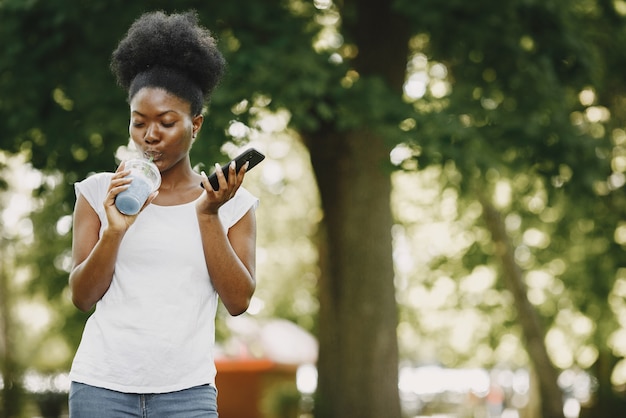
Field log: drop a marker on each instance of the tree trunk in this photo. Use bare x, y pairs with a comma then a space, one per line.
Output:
358, 358
358, 354
534, 334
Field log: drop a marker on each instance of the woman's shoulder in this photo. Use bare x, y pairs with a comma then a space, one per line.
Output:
235, 208
94, 184
98, 177
245, 198
95, 179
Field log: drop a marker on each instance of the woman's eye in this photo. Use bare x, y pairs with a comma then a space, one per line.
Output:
168, 124
137, 124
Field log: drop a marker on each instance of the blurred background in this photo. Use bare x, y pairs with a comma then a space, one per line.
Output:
442, 222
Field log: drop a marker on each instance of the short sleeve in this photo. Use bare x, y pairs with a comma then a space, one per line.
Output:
237, 207
94, 189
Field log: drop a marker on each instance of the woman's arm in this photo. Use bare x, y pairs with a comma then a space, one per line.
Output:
93, 257
231, 259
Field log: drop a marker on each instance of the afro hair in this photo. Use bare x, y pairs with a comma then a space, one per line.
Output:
172, 52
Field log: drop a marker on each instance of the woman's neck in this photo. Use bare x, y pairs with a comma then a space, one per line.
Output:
179, 184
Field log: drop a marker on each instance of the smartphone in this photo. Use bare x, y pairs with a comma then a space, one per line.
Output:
250, 155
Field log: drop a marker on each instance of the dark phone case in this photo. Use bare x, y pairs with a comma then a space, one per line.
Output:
251, 155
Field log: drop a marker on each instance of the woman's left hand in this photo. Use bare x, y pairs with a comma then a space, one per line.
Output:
211, 199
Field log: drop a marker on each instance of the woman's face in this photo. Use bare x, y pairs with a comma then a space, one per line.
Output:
161, 126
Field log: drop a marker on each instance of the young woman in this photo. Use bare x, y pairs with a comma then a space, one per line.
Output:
155, 277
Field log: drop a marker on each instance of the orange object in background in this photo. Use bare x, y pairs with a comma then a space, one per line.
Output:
246, 387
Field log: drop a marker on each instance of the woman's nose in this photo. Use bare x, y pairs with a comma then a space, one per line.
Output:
152, 133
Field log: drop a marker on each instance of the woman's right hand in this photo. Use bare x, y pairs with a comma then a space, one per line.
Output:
119, 182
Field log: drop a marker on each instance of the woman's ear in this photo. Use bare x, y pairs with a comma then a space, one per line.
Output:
196, 125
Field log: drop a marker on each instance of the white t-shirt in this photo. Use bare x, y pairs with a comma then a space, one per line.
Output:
153, 331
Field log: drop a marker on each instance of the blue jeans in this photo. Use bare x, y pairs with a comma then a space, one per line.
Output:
87, 401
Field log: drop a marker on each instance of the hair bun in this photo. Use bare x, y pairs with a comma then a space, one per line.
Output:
176, 42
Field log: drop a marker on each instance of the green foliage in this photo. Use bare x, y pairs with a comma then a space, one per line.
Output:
515, 48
